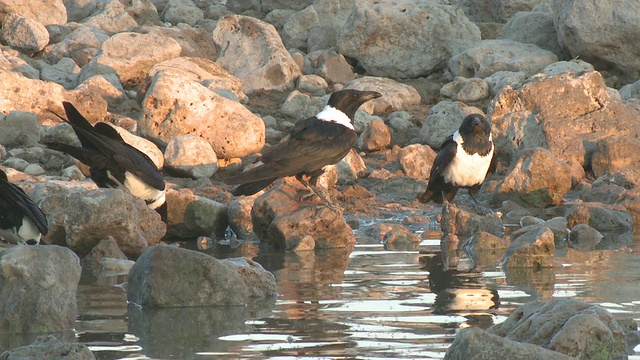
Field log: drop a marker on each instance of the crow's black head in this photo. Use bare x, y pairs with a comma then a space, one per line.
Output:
349, 100
476, 134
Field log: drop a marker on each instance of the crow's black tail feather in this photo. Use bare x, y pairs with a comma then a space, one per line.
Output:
252, 187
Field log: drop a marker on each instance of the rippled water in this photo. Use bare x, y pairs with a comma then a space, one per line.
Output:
365, 303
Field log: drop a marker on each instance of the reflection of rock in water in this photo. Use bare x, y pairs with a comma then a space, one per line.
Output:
181, 332
460, 292
537, 282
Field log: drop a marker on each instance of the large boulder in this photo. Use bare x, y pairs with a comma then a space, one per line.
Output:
81, 45
534, 28
252, 50
45, 12
38, 287
589, 30
615, 153
568, 114
532, 249
179, 101
48, 347
24, 34
395, 95
415, 47
190, 216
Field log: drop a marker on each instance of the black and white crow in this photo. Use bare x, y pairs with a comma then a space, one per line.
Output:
463, 161
21, 220
313, 144
112, 162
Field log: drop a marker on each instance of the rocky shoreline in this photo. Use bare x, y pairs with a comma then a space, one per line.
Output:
203, 86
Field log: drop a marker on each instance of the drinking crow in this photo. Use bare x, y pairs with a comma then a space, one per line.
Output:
21, 220
113, 163
314, 143
464, 160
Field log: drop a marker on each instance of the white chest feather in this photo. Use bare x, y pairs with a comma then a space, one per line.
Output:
28, 231
152, 196
464, 169
334, 115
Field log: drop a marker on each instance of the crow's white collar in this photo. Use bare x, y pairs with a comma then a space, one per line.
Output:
334, 115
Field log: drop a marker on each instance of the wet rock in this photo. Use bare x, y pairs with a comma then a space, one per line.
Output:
24, 34
231, 129
81, 45
580, 26
130, 56
483, 241
281, 221
562, 324
181, 11
584, 237
239, 214
535, 179
189, 215
80, 218
106, 248
534, 28
416, 160
533, 249
43, 11
168, 276
476, 344
269, 67
260, 282
395, 95
465, 90
499, 79
448, 32
557, 224
334, 68
112, 18
397, 236
615, 153
599, 216
464, 223
48, 347
36, 299
443, 120
522, 118
489, 56
19, 128
375, 137
191, 156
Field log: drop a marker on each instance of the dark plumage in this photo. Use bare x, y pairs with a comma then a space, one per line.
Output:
21, 220
313, 144
113, 163
464, 160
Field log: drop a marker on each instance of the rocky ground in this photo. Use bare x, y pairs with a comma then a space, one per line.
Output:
203, 86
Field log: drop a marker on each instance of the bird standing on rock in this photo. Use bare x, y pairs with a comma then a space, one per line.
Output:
113, 163
314, 144
464, 160
21, 220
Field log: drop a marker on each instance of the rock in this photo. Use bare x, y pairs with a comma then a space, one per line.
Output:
464, 224
489, 56
147, 147
483, 241
112, 18
295, 30
399, 237
534, 28
239, 215
279, 220
194, 41
43, 11
443, 120
298, 105
268, 67
269, 5
190, 216
260, 282
615, 153
606, 194
586, 30
34, 170
499, 79
81, 45
522, 117
474, 343
48, 347
557, 224
375, 137
562, 324
191, 156
598, 216
36, 299
535, 179
312, 84
466, 90
19, 128
231, 129
535, 248
78, 10
10, 61
168, 276
630, 91
334, 68
416, 161
65, 72
447, 32
350, 168
80, 218
395, 95
130, 56
584, 237
106, 248
181, 11
574, 66
24, 34
631, 202
625, 178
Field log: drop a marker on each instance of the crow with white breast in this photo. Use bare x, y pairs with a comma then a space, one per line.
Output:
21, 220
